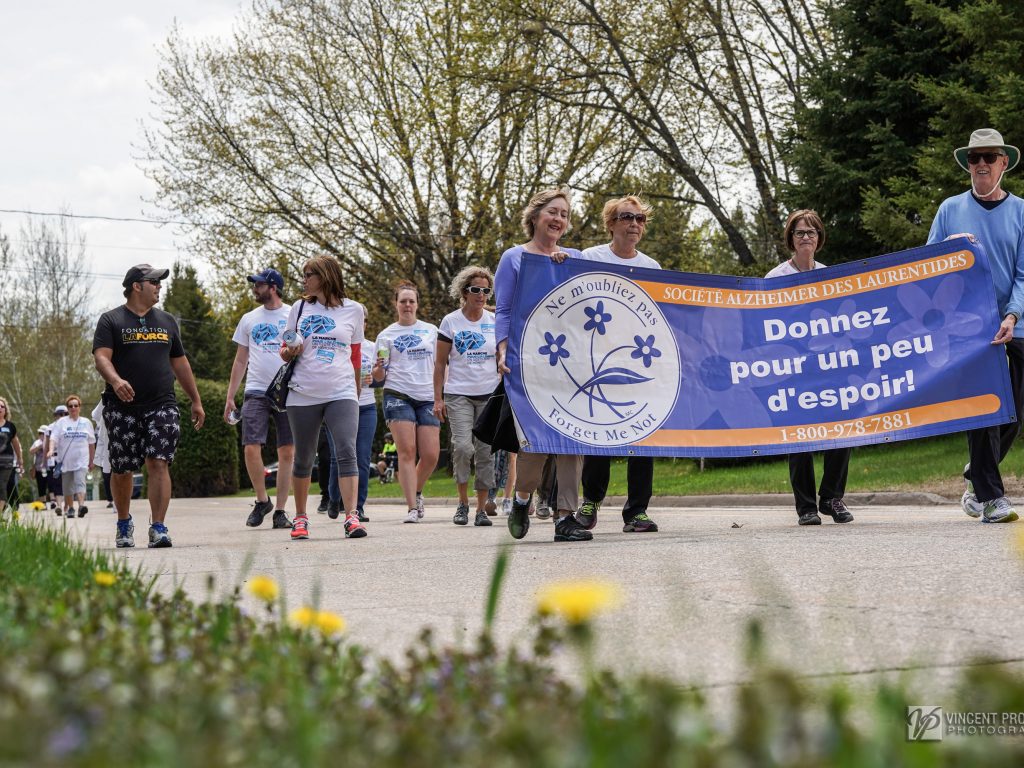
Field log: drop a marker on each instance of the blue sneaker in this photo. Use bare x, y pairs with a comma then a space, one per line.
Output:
125, 534
158, 536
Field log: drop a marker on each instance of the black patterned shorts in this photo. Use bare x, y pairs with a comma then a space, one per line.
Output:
136, 435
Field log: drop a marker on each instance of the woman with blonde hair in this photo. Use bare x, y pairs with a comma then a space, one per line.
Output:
405, 368
544, 219
464, 378
325, 384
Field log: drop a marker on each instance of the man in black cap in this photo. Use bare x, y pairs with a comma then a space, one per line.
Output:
138, 352
258, 337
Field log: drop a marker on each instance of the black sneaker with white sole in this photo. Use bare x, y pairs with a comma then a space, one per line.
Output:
570, 529
259, 510
519, 518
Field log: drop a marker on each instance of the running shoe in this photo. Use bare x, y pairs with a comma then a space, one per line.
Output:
490, 506
461, 514
281, 519
70, 512
83, 510
323, 505
570, 529
419, 506
413, 516
836, 509
481, 518
353, 528
506, 507
999, 511
125, 534
260, 509
587, 514
519, 518
158, 536
300, 527
809, 518
543, 512
362, 516
970, 505
640, 523
334, 509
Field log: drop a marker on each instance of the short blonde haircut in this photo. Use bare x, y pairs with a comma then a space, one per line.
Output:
611, 209
457, 290
537, 204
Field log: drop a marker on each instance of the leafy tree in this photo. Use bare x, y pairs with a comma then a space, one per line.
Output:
206, 339
46, 327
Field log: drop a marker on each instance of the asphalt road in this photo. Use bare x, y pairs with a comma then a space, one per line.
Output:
913, 588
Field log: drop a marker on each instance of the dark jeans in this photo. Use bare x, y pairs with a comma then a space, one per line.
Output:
106, 486
833, 479
989, 446
639, 482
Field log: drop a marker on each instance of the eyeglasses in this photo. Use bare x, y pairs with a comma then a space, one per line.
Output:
973, 158
805, 234
308, 275
478, 289
639, 218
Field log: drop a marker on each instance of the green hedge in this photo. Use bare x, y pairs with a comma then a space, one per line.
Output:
206, 463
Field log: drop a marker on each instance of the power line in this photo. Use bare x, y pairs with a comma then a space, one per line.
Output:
95, 216
95, 245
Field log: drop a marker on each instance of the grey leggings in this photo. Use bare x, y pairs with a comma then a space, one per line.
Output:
342, 419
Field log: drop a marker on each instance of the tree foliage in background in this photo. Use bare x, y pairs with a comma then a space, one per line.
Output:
707, 88
393, 134
910, 80
204, 334
46, 327
206, 461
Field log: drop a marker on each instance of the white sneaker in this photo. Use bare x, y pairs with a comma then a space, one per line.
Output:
413, 516
999, 511
419, 505
970, 504
506, 507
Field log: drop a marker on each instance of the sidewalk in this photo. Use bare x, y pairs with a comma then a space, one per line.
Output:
904, 587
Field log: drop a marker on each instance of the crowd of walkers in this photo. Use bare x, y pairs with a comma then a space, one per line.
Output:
430, 374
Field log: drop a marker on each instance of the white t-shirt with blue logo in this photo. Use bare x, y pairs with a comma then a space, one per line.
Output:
410, 368
260, 331
324, 370
471, 366
367, 352
71, 439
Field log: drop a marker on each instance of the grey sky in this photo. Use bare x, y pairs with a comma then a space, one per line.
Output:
74, 87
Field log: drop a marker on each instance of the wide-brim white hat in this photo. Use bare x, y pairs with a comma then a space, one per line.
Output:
985, 138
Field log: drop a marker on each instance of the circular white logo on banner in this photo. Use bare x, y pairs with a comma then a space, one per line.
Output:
599, 362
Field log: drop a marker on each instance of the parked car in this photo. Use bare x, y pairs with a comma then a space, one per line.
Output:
270, 475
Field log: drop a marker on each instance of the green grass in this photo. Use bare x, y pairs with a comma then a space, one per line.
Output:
932, 464
97, 675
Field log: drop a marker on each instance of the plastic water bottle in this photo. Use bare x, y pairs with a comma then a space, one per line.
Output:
234, 417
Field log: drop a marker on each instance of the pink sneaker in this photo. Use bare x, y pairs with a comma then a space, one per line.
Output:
353, 528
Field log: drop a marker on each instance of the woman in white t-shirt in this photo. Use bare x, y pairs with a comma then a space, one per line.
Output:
325, 384
465, 352
804, 234
74, 443
405, 368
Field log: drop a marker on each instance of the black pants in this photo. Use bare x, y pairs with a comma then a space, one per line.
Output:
106, 486
833, 479
323, 465
989, 446
639, 482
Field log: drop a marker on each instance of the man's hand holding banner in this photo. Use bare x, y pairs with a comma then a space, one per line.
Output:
628, 361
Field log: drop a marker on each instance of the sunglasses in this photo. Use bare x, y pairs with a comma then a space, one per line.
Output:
973, 158
805, 234
153, 282
75, 405
308, 275
639, 218
478, 289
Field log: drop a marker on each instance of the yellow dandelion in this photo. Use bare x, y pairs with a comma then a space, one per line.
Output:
264, 588
578, 601
104, 578
38, 506
15, 515
304, 617
329, 623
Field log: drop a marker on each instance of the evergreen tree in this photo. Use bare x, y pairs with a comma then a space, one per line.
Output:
207, 342
867, 117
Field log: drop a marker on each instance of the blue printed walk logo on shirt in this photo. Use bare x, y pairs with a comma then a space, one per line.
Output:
466, 341
408, 341
264, 332
316, 324
604, 369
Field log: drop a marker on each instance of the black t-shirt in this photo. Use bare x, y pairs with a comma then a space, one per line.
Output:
142, 351
7, 434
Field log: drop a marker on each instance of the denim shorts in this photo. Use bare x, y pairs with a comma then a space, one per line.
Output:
420, 412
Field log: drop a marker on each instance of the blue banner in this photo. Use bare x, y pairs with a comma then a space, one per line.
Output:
616, 360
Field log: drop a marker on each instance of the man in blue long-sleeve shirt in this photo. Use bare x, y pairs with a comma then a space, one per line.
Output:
995, 218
